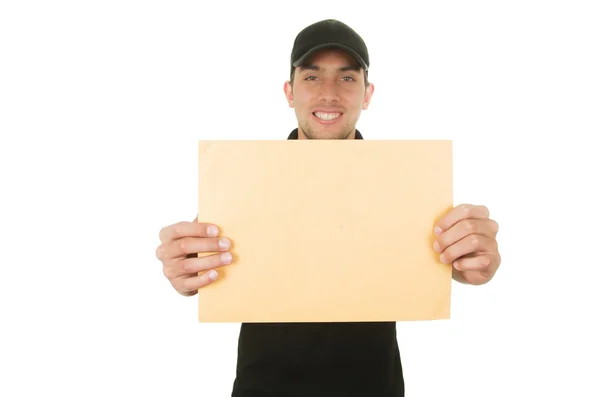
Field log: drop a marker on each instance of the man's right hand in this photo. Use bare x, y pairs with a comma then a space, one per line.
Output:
180, 245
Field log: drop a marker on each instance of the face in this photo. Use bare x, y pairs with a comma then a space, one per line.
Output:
328, 95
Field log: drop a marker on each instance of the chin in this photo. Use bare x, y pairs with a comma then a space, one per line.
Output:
318, 133
325, 136
338, 135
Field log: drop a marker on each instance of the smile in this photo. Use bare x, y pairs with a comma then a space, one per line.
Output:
326, 116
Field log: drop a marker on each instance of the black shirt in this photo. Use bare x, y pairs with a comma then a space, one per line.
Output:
318, 359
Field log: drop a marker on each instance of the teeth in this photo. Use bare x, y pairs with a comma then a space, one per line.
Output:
327, 116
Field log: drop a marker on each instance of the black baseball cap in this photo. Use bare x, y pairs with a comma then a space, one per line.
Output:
329, 33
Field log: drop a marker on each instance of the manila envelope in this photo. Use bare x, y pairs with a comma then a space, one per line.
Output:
326, 230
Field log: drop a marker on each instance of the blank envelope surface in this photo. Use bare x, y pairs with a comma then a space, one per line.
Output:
326, 230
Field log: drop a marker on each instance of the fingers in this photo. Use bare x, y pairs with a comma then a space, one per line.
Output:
189, 246
460, 212
462, 229
193, 266
183, 273
186, 246
190, 285
479, 262
473, 243
180, 245
187, 229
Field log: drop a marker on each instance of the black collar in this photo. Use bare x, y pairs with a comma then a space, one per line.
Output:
294, 134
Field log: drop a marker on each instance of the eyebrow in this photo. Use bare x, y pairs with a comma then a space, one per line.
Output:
342, 69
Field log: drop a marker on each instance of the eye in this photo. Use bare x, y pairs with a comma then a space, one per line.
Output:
348, 78
310, 78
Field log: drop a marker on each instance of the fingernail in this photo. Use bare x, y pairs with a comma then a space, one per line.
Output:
226, 258
213, 231
443, 258
224, 243
212, 275
437, 230
436, 246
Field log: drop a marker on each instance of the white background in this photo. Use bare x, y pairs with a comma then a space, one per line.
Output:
101, 107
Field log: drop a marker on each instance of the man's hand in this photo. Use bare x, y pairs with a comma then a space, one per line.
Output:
178, 252
466, 237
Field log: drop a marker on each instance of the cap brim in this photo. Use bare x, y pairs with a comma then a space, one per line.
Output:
300, 61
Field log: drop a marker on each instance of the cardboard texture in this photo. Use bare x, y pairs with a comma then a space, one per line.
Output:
326, 230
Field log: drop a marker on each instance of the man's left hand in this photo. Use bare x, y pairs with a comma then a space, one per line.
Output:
466, 237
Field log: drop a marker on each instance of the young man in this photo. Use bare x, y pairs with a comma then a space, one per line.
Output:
328, 89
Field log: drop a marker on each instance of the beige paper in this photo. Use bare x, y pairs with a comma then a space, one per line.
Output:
326, 230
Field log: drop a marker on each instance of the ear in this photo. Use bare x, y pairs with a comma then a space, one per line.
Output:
368, 94
289, 95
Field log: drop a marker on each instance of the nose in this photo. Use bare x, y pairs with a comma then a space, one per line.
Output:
329, 91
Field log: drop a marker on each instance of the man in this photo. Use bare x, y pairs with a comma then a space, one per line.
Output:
328, 88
